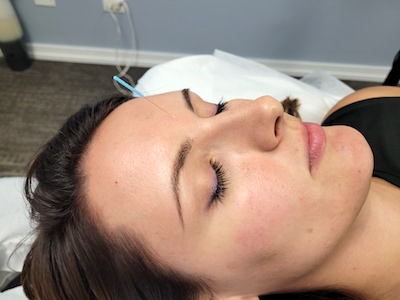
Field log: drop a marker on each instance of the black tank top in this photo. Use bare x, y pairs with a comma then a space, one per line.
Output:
378, 119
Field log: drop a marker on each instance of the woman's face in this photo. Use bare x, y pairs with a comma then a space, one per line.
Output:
248, 197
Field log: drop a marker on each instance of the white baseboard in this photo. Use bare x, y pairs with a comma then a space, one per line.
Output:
99, 56
106, 56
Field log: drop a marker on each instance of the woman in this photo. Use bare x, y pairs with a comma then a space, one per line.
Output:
204, 201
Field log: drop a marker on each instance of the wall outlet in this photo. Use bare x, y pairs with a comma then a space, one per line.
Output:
116, 6
51, 3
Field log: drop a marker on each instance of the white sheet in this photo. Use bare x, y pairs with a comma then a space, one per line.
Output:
13, 294
14, 226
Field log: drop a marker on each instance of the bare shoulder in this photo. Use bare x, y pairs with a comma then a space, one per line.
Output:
367, 93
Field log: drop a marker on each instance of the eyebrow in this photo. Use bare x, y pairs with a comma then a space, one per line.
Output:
186, 96
179, 161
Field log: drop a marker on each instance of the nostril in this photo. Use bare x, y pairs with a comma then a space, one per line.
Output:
276, 125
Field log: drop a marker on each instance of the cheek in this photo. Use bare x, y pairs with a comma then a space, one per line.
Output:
266, 209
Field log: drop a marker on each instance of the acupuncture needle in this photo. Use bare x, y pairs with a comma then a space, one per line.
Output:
135, 91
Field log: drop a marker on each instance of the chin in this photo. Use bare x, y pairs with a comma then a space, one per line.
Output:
354, 156
350, 145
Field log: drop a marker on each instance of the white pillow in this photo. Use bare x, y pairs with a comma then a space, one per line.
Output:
16, 293
227, 76
14, 227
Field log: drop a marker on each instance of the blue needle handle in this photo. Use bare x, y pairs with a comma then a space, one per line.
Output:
129, 87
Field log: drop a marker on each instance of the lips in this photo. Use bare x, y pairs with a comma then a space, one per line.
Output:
316, 144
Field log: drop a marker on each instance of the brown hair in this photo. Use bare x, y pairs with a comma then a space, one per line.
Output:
73, 255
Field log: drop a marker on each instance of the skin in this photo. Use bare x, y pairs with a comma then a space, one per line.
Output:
278, 224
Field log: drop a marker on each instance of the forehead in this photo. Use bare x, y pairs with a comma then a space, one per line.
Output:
128, 165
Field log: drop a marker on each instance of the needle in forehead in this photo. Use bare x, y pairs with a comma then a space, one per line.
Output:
135, 91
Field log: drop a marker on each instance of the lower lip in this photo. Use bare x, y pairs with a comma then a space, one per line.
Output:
316, 144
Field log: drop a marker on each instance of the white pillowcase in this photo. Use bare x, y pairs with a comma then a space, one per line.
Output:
227, 76
14, 227
16, 293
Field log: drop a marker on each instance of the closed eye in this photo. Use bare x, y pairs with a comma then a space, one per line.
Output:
220, 184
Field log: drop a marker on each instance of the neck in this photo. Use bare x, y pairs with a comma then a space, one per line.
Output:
368, 258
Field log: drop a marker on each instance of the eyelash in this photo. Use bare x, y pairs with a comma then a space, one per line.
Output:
220, 106
218, 193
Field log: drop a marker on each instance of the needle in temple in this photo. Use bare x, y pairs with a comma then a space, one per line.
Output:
159, 107
135, 91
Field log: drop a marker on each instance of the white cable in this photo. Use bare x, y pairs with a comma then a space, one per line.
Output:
123, 72
133, 37
118, 28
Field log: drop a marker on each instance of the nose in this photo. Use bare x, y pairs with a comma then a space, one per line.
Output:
250, 123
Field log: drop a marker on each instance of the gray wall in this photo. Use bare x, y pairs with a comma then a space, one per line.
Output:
362, 32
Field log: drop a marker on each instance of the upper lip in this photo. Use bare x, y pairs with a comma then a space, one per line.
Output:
304, 132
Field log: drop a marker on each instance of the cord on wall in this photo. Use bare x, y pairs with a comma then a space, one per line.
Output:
112, 9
